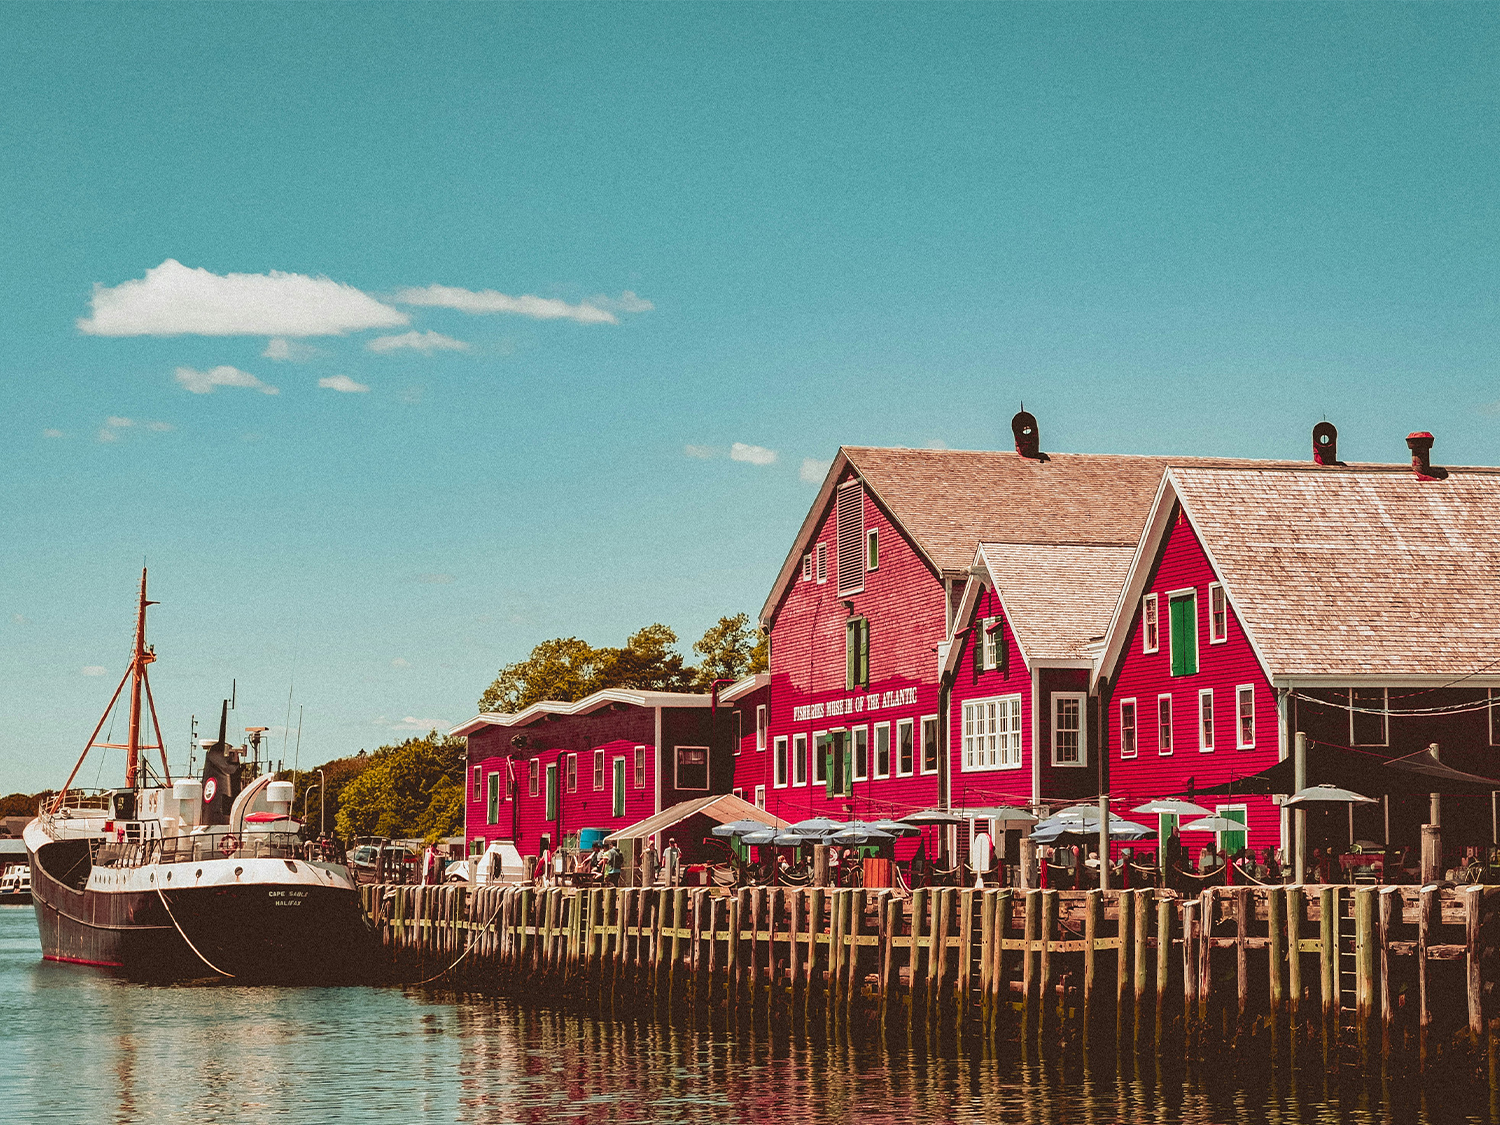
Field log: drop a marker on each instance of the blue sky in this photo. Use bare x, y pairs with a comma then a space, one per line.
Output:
1168, 228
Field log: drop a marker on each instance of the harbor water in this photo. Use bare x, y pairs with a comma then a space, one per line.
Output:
84, 1046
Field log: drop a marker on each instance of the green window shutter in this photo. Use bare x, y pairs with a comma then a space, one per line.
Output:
619, 809
551, 792
976, 643
825, 751
851, 653
847, 773
864, 652
1184, 625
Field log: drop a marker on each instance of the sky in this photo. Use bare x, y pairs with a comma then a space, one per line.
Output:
395, 339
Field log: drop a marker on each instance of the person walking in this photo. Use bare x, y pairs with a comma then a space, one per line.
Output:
672, 862
613, 861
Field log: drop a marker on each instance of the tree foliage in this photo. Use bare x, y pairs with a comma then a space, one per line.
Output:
730, 650
414, 788
567, 668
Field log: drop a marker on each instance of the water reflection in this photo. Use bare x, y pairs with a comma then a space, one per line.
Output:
87, 1047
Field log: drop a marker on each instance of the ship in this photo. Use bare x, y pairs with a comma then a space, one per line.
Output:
209, 876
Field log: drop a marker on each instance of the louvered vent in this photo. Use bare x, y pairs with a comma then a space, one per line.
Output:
851, 532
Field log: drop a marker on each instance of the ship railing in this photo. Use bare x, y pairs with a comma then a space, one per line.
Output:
198, 847
92, 800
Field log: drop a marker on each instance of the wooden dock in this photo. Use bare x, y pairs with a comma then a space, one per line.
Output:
1376, 972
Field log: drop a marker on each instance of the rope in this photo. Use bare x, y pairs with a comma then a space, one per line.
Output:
189, 940
472, 942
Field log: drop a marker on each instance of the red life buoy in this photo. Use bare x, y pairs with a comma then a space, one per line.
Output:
229, 845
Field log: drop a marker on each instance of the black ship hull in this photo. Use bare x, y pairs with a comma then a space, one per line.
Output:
256, 932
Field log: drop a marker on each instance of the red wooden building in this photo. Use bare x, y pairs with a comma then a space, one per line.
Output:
750, 699
538, 777
1358, 604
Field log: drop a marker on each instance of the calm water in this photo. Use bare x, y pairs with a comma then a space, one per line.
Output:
76, 1045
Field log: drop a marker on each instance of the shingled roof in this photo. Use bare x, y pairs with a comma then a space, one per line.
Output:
1347, 572
1058, 599
948, 501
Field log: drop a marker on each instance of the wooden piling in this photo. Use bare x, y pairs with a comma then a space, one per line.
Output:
1473, 980
1028, 971
1389, 909
1294, 911
1276, 951
1093, 914
1050, 1002
1164, 913
1243, 912
1328, 952
1366, 988
1427, 906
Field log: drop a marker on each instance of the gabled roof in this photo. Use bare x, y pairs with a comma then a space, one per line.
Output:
1344, 572
948, 501
1057, 598
581, 707
723, 809
747, 686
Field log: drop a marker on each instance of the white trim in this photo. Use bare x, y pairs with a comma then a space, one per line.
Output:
986, 728
744, 686
618, 766
916, 750
973, 588
781, 762
1036, 757
854, 733
872, 540
922, 770
806, 566
1239, 742
1220, 810
583, 706
1213, 718
1224, 637
1171, 726
762, 727
990, 638
875, 772
806, 765
820, 563
855, 482
1385, 719
1082, 699
639, 767
707, 785
760, 796
739, 732
1177, 596
570, 773
1150, 629
817, 759
600, 772
1135, 728
1379, 679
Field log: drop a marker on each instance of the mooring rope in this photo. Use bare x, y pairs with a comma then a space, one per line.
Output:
473, 941
189, 940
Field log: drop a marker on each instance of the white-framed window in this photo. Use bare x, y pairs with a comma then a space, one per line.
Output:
739, 791
799, 759
1244, 707
572, 773
739, 731
872, 549
991, 733
1129, 746
989, 633
1070, 745
492, 806
822, 563
598, 770
760, 796
1206, 721
819, 764
856, 653
1164, 725
778, 764
1182, 635
930, 747
861, 753
906, 748
1218, 614
617, 796
807, 566
762, 721
534, 781
1368, 721
478, 783
882, 749
691, 770
1150, 634
551, 799
640, 767
850, 518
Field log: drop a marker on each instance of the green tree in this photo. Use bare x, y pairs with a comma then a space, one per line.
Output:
567, 668
412, 788
730, 650
648, 662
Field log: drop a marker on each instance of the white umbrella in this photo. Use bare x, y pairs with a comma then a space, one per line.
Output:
1214, 824
933, 816
1330, 794
1171, 806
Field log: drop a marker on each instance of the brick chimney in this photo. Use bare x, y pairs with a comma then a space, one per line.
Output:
1325, 437
1420, 444
1028, 437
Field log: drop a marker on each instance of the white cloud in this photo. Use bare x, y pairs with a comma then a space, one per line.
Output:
626, 302
175, 300
424, 342
281, 349
813, 471
342, 383
93, 670
20, 619
490, 301
751, 454
110, 431
936, 443
53, 433
400, 662
702, 452
203, 382
420, 726
160, 427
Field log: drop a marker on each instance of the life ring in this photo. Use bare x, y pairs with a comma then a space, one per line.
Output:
229, 845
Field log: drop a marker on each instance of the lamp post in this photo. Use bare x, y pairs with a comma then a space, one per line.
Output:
305, 793
323, 804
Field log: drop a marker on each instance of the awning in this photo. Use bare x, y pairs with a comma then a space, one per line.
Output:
1415, 775
721, 810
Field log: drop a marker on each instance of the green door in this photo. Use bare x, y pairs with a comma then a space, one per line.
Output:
1231, 842
552, 792
1184, 623
619, 806
1166, 824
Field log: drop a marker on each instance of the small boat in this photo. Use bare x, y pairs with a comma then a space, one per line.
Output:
15, 886
195, 877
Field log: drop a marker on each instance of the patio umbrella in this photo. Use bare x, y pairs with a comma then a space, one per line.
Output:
1171, 806
897, 828
862, 834
774, 838
1330, 794
1000, 812
817, 826
1047, 831
1214, 824
739, 827
933, 816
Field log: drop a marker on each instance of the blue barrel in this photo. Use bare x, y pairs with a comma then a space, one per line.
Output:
588, 837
